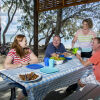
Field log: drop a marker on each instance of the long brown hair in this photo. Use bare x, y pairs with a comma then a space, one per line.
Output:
19, 50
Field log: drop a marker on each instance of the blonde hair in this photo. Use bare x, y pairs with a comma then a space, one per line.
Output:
89, 22
19, 50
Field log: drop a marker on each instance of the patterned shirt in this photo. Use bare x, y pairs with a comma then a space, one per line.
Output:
17, 59
85, 41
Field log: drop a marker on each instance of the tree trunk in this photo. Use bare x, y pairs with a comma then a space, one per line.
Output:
35, 28
58, 22
48, 38
4, 32
10, 18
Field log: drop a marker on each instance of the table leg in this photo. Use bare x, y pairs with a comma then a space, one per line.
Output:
13, 93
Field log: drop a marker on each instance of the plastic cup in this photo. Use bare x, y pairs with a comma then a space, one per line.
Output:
46, 61
51, 62
79, 52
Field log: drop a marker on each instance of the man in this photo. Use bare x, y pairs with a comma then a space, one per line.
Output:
94, 77
55, 48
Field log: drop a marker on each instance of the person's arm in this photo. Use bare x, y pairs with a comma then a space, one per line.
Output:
65, 54
8, 63
54, 55
85, 63
33, 59
74, 40
50, 51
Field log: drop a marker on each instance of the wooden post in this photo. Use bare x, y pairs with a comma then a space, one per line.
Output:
36, 27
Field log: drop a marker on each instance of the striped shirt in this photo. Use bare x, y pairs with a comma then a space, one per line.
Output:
85, 41
17, 59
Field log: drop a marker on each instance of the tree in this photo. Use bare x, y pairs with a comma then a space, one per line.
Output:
58, 22
11, 13
61, 21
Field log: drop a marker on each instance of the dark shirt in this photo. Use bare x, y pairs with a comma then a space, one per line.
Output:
52, 49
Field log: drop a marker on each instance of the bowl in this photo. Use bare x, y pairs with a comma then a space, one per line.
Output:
68, 57
58, 62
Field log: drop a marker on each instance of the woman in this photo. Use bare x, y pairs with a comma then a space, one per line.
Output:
84, 37
20, 55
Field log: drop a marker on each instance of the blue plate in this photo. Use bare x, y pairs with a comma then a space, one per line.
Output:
68, 58
49, 70
35, 66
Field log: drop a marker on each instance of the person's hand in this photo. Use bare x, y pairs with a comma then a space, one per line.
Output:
19, 65
78, 56
25, 63
65, 54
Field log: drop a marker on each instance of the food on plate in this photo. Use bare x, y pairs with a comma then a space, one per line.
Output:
57, 58
29, 76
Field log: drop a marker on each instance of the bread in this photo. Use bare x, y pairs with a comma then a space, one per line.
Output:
27, 77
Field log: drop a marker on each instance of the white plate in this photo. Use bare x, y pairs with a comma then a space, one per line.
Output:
58, 62
39, 77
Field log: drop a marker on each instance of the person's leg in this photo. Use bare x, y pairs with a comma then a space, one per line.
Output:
89, 79
73, 87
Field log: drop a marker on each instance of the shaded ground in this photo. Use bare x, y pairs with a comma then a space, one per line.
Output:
5, 95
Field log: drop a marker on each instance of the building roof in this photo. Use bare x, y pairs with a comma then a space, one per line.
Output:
45, 5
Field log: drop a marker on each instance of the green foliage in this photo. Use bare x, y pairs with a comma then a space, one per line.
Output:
71, 18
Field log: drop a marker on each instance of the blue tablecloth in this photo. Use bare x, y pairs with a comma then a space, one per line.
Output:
68, 74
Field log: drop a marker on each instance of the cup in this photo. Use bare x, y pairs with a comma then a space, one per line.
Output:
79, 52
51, 62
46, 61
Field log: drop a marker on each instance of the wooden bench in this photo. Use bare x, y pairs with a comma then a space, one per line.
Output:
90, 92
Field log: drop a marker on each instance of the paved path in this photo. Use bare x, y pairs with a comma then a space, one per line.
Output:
5, 95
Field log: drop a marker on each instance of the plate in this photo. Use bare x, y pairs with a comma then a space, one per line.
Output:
68, 58
37, 79
35, 66
59, 62
49, 70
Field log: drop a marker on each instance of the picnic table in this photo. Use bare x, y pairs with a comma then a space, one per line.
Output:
69, 73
